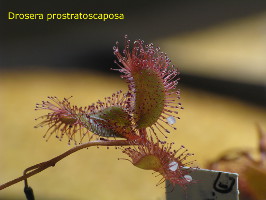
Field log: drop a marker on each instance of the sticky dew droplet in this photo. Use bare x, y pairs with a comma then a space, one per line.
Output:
171, 120
173, 166
188, 178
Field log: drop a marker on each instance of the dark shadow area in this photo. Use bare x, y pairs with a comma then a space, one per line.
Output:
57, 43
255, 94
85, 45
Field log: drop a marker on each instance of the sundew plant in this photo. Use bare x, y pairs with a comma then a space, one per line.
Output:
136, 121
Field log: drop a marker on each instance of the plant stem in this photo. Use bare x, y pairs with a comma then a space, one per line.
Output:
35, 169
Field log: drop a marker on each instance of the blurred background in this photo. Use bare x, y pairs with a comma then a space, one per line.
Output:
219, 47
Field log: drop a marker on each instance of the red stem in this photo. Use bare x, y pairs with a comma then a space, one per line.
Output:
35, 169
